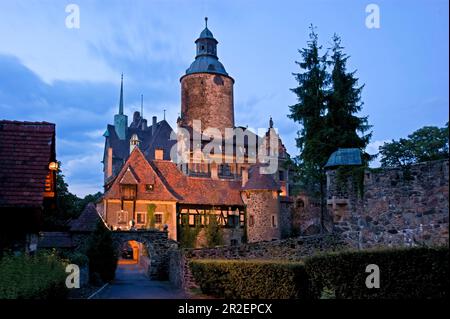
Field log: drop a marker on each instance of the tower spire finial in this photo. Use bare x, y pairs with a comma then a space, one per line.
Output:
142, 105
206, 22
121, 96
271, 122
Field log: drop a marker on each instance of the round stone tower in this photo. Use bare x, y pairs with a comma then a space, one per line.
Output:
206, 88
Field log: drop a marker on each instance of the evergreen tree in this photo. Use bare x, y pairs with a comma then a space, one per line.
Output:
343, 103
309, 112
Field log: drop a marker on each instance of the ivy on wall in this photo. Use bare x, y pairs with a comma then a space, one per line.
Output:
150, 216
352, 176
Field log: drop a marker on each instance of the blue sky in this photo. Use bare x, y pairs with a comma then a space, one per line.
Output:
71, 76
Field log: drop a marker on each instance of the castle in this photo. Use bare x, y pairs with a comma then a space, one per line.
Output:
148, 186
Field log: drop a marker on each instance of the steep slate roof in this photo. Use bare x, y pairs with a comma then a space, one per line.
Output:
258, 181
87, 221
145, 174
195, 190
26, 148
149, 140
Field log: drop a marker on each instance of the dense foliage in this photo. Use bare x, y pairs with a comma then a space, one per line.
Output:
68, 205
251, 279
102, 254
426, 144
32, 277
405, 273
408, 273
213, 232
328, 100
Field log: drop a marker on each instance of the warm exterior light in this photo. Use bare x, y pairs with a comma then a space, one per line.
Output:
53, 166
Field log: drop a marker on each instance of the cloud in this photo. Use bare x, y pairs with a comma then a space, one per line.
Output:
373, 149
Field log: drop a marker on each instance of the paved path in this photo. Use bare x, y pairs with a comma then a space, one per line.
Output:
131, 283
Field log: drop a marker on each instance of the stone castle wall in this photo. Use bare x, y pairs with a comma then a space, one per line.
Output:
399, 207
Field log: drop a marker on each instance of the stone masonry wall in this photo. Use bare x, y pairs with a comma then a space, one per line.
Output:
262, 206
399, 207
209, 98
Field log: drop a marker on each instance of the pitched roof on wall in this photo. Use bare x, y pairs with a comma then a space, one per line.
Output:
87, 221
26, 148
345, 157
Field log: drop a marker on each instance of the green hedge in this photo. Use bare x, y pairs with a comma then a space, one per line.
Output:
32, 277
251, 279
408, 273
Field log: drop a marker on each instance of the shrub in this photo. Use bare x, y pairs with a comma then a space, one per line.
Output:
32, 277
213, 232
251, 279
406, 273
102, 254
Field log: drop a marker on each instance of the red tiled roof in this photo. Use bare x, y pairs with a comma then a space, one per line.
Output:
259, 181
146, 175
200, 191
26, 148
87, 221
129, 178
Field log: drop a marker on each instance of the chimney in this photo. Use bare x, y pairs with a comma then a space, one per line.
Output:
154, 119
159, 154
144, 124
244, 176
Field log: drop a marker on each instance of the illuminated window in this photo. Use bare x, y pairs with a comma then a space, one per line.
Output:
140, 218
122, 217
158, 219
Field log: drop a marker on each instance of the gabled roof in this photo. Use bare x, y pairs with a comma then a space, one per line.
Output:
26, 149
87, 221
145, 174
129, 178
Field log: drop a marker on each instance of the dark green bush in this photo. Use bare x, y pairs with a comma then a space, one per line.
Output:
251, 279
32, 277
102, 254
407, 273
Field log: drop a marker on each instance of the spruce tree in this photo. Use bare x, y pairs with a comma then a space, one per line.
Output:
343, 104
310, 113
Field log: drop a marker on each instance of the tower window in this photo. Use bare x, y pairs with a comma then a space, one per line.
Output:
203, 47
274, 221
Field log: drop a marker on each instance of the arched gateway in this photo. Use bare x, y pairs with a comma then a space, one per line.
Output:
158, 246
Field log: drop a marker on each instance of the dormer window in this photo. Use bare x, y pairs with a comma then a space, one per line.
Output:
128, 191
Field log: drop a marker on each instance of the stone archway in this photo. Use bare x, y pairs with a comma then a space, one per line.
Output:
158, 246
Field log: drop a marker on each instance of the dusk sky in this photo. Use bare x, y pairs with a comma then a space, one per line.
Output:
71, 77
